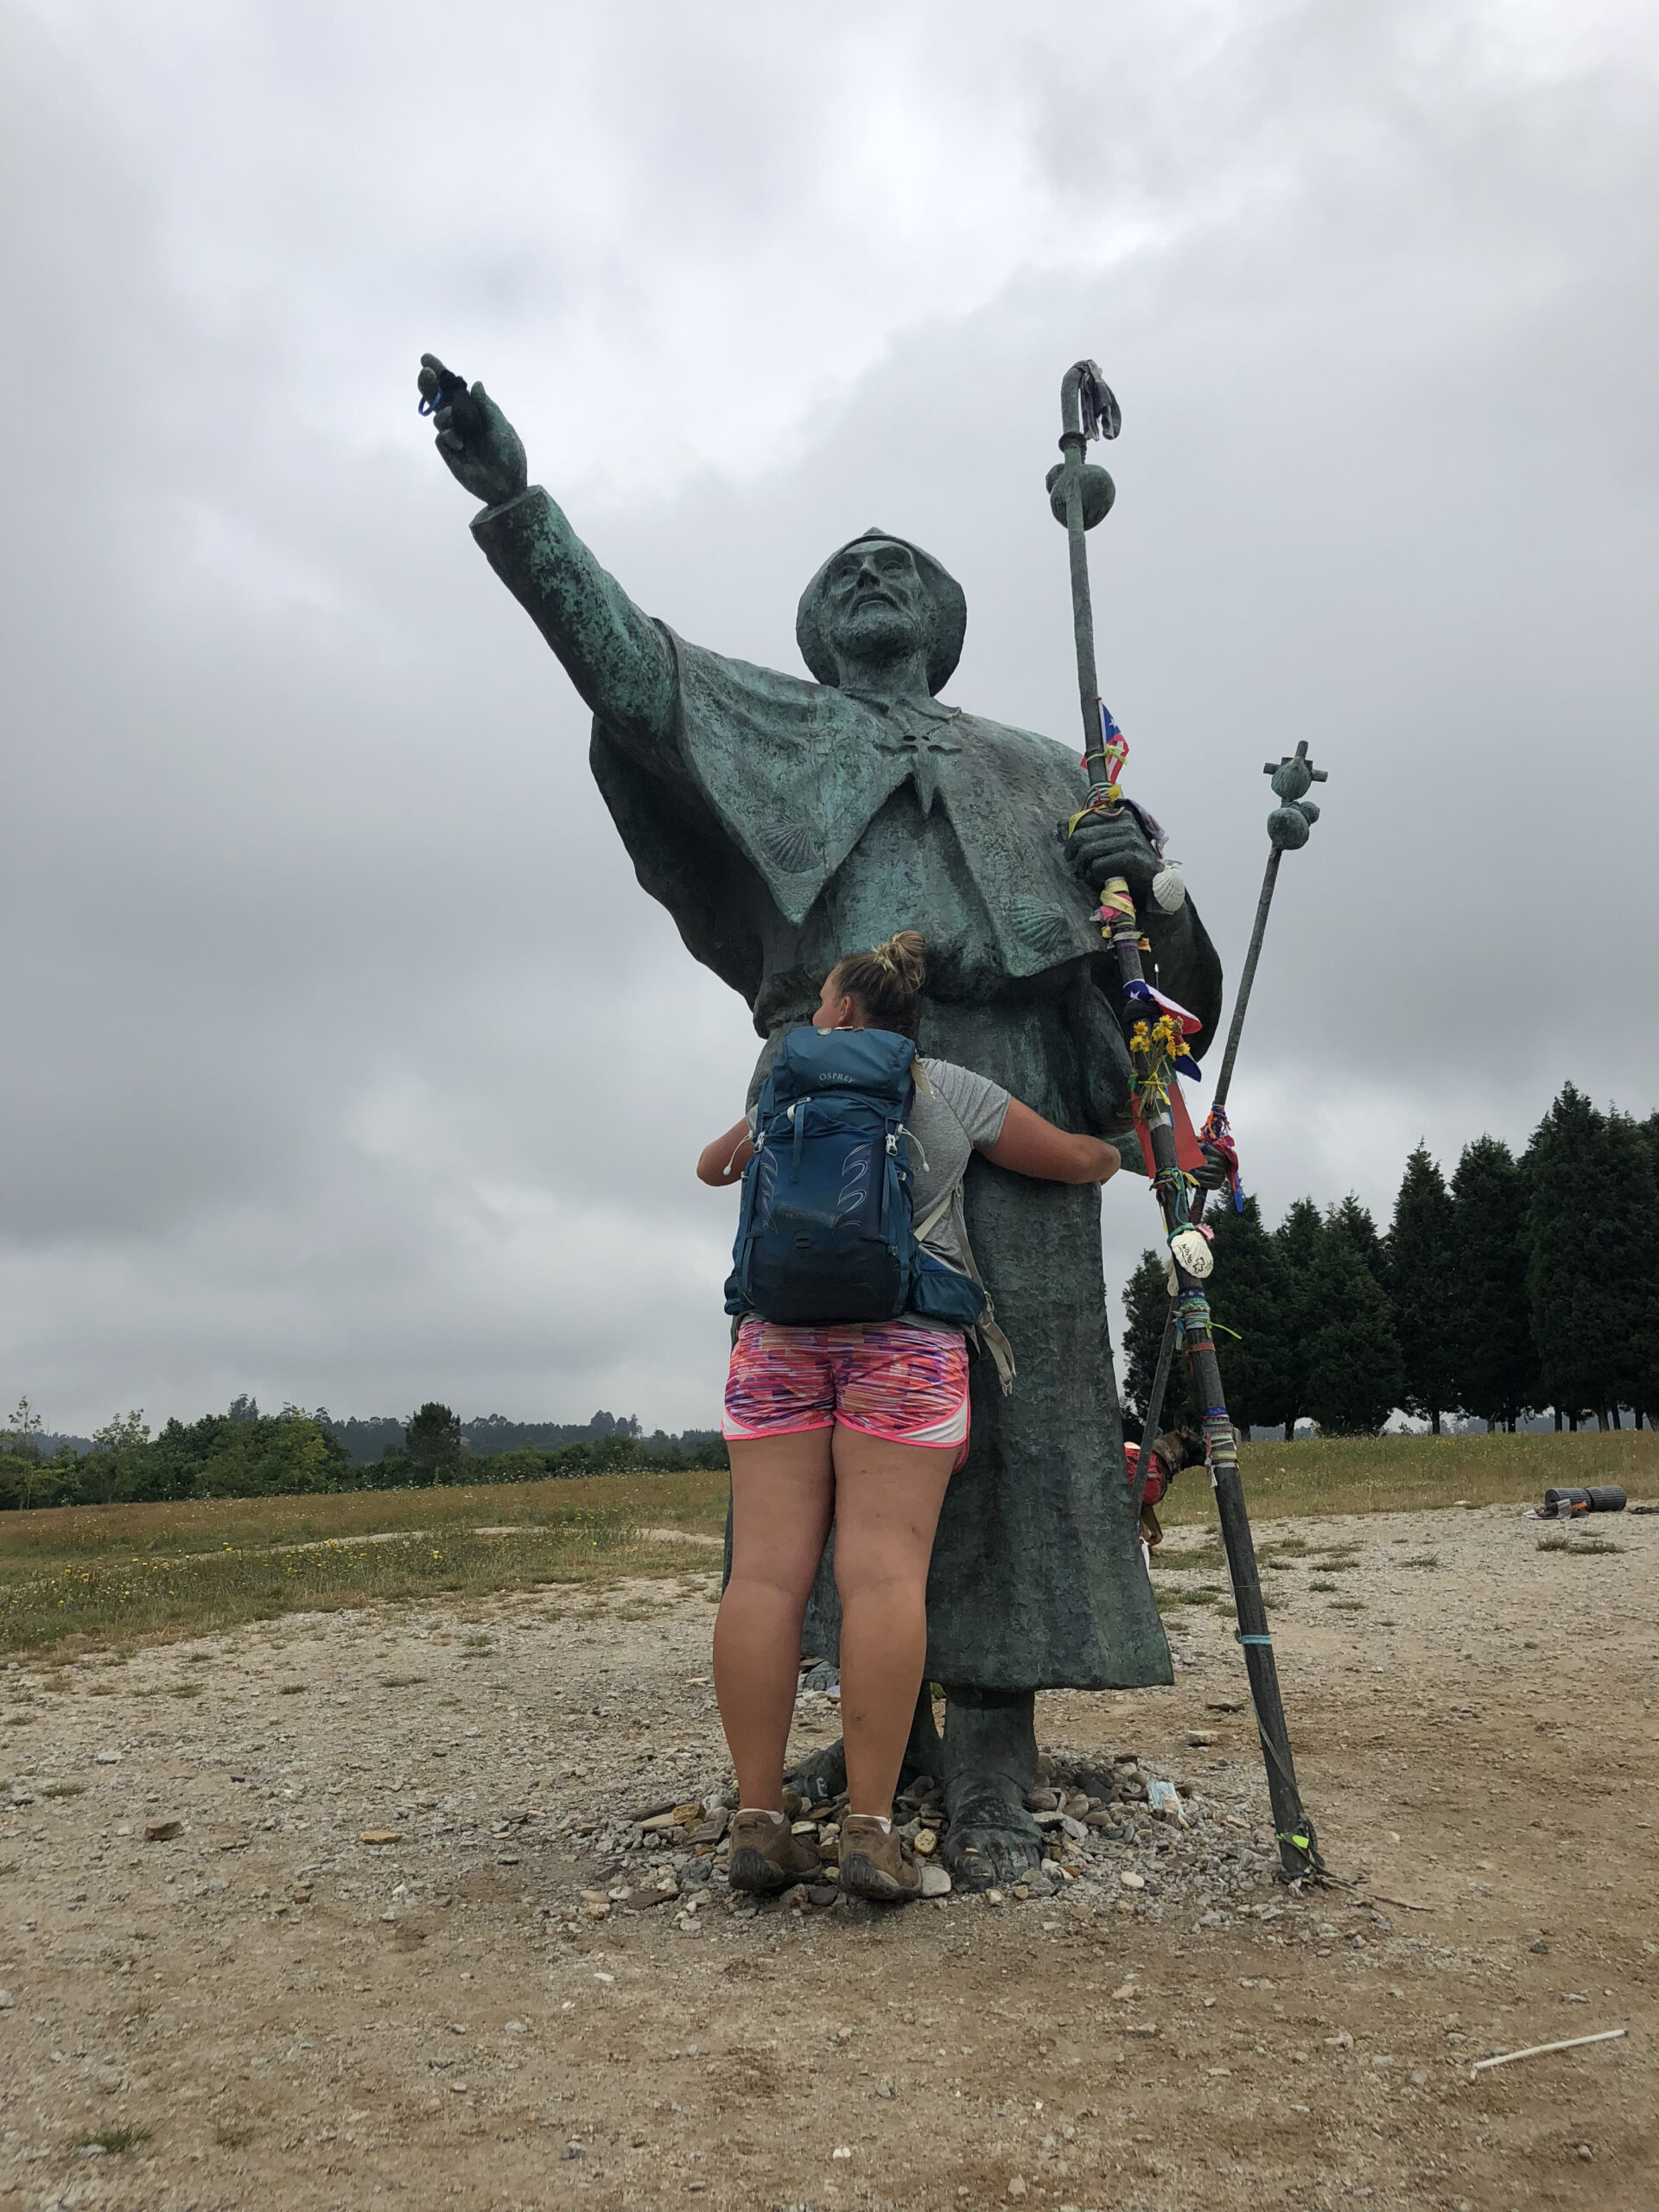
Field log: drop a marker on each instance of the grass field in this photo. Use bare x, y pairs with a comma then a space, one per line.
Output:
696, 1500
1404, 1474
84, 1575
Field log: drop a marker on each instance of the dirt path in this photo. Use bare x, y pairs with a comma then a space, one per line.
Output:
301, 2019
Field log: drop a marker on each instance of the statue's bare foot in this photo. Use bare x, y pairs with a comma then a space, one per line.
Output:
990, 1763
824, 1776
821, 1777
991, 1841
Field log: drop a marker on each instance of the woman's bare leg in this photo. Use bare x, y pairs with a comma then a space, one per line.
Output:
782, 1491
888, 1501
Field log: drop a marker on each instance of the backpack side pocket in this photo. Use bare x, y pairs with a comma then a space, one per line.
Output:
939, 1292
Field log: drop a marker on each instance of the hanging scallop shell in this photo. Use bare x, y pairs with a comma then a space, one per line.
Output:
1190, 1249
1168, 890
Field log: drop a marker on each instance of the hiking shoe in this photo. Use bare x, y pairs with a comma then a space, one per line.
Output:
872, 1861
766, 1857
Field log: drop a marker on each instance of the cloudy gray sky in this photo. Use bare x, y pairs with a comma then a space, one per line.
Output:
344, 1060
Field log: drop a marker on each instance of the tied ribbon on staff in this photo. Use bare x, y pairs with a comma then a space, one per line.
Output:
1113, 751
1157, 1040
1106, 797
1157, 1048
1218, 1135
1157, 1043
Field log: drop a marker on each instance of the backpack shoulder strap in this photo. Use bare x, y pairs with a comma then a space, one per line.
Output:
997, 1344
922, 1229
986, 1327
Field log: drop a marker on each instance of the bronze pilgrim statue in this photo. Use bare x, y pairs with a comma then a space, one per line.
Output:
785, 821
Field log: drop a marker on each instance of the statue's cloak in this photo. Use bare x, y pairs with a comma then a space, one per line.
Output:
787, 823
787, 778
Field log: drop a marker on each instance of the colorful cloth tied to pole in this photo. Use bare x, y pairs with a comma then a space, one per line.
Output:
1217, 1134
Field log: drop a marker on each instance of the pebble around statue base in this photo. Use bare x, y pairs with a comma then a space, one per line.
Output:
784, 822
987, 1759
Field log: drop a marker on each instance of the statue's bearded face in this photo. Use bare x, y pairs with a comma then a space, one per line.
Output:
875, 605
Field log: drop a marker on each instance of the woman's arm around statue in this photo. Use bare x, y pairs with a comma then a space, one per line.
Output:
1028, 1145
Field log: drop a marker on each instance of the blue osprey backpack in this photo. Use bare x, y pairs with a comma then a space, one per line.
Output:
824, 1234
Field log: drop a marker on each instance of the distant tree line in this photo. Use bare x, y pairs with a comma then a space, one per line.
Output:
245, 1454
435, 1448
1523, 1285
489, 1435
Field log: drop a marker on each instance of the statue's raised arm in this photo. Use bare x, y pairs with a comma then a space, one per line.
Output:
616, 656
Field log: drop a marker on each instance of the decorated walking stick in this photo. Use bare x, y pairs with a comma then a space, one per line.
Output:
1288, 829
1081, 496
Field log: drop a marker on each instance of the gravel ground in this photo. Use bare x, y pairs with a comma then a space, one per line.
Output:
350, 1907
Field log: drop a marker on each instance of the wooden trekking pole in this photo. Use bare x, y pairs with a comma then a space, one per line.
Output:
1081, 496
1288, 827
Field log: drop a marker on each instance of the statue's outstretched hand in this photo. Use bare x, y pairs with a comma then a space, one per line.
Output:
480, 448
1105, 845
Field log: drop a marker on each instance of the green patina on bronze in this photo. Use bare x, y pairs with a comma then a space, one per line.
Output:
783, 822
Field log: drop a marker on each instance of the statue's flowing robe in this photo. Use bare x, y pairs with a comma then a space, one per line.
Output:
784, 823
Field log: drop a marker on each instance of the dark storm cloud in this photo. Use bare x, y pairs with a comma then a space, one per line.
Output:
346, 1061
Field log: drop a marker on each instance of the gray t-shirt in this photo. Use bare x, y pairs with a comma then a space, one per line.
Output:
964, 1114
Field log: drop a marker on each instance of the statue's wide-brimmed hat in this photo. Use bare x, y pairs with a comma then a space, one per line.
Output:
945, 598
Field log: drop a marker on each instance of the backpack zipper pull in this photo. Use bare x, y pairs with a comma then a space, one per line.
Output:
902, 1131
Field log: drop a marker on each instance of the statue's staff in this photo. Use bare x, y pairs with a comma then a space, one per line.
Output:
1081, 495
1288, 829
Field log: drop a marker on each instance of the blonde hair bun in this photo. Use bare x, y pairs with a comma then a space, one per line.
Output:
905, 954
887, 981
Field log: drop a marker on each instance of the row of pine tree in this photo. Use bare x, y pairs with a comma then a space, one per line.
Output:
1524, 1285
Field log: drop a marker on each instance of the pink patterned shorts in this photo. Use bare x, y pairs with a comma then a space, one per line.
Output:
883, 1378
